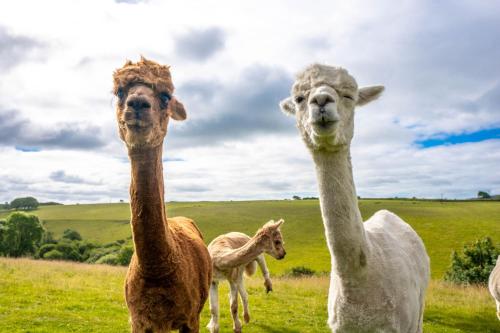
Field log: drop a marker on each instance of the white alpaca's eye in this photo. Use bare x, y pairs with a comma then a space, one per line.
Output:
348, 97
299, 99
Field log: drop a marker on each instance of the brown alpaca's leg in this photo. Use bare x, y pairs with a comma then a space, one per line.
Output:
233, 300
195, 328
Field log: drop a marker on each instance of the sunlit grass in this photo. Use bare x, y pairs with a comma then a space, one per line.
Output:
41, 296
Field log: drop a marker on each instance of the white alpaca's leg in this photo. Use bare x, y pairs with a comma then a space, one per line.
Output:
233, 301
244, 299
498, 309
213, 325
265, 272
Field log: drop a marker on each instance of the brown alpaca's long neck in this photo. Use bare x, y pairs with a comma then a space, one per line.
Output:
344, 229
153, 244
242, 255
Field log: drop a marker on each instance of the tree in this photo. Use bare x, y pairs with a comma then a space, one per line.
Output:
483, 195
23, 234
27, 203
474, 264
296, 197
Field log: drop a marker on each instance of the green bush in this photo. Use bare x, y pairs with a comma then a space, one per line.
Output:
71, 235
474, 264
300, 271
108, 259
53, 255
124, 255
44, 249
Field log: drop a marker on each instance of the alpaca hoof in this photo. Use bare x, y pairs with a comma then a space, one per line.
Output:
269, 286
213, 328
246, 316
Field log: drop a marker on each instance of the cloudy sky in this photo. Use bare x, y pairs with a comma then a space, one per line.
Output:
435, 132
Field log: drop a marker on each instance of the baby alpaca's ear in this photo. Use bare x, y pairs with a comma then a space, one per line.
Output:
279, 223
176, 109
287, 106
368, 94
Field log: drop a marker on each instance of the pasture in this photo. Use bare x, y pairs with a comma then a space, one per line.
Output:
39, 296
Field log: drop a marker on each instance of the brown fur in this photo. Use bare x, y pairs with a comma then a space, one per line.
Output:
170, 272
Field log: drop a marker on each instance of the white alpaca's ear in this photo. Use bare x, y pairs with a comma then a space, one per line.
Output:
176, 109
287, 106
368, 94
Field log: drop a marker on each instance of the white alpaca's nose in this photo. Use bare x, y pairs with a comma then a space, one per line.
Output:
321, 99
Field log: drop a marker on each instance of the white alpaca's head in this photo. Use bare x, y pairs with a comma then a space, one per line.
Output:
323, 101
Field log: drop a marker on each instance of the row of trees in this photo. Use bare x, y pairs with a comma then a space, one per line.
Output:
23, 234
26, 203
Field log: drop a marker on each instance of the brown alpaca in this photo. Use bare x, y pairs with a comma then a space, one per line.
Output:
170, 272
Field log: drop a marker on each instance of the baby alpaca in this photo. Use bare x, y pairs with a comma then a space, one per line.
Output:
234, 253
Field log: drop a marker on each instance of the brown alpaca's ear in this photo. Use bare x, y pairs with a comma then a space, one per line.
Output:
176, 109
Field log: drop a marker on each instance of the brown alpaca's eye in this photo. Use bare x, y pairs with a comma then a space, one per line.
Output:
299, 99
120, 93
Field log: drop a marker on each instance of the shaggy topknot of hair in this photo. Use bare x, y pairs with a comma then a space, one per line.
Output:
145, 72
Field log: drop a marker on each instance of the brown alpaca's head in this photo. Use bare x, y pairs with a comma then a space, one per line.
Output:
272, 240
145, 103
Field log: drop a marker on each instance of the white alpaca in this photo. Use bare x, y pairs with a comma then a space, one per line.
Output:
234, 253
494, 285
380, 269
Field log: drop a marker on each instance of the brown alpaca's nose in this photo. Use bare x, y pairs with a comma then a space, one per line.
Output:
138, 104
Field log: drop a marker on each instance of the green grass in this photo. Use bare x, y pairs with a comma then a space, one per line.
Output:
443, 226
40, 296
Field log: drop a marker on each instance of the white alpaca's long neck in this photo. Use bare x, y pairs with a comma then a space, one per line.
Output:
341, 216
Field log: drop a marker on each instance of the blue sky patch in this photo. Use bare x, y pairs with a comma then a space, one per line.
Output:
445, 139
28, 149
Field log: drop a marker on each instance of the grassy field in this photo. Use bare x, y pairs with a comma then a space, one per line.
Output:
37, 296
443, 226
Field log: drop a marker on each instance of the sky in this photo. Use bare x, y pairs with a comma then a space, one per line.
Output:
434, 133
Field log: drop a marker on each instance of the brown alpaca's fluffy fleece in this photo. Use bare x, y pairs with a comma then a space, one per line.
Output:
146, 72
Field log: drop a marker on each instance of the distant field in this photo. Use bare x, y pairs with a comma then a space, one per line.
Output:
443, 226
57, 297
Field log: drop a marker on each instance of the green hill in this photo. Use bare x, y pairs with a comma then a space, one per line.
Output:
443, 226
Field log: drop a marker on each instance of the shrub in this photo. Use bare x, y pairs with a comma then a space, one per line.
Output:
108, 259
124, 255
53, 255
300, 271
474, 264
69, 250
44, 249
71, 235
